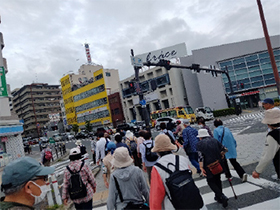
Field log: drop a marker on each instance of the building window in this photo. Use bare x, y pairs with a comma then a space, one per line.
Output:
108, 74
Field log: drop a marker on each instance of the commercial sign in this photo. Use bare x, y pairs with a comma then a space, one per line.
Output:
250, 93
167, 53
148, 98
3, 85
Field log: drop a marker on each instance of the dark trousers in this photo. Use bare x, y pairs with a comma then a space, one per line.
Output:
276, 163
215, 184
193, 156
149, 171
84, 206
237, 167
93, 157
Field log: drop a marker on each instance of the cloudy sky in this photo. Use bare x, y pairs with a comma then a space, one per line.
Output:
44, 38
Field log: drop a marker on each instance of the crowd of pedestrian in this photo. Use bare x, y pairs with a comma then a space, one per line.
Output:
124, 159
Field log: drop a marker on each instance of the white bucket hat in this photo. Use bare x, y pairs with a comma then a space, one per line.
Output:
163, 143
78, 142
75, 151
129, 135
271, 116
202, 133
121, 158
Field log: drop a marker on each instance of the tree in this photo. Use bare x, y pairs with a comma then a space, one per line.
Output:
75, 128
88, 126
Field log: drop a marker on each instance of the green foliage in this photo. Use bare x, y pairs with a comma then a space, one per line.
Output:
54, 207
223, 112
75, 128
88, 126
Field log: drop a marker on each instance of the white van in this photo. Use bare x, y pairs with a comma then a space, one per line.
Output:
204, 112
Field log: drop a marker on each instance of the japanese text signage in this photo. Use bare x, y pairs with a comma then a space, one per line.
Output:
3, 85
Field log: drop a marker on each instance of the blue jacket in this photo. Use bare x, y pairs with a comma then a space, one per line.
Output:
228, 141
190, 137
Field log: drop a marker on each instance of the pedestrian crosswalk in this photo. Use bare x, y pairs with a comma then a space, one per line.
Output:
253, 194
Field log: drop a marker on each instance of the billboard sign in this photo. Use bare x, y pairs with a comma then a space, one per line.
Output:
175, 51
3, 85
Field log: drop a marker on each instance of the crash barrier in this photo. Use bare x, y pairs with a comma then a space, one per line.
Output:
53, 187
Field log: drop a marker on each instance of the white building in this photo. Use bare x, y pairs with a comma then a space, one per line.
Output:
11, 145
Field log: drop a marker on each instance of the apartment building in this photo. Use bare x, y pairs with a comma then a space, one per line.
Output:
85, 95
169, 92
33, 103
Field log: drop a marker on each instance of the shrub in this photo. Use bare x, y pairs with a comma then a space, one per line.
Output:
223, 112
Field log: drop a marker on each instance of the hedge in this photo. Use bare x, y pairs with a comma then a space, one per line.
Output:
223, 112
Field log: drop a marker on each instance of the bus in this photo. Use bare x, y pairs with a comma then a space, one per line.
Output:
182, 112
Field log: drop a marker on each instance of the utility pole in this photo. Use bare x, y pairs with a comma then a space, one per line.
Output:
269, 48
144, 110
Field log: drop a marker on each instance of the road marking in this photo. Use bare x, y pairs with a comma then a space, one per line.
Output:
270, 204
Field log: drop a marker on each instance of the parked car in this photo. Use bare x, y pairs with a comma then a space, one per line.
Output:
70, 136
204, 112
81, 135
165, 120
128, 126
44, 140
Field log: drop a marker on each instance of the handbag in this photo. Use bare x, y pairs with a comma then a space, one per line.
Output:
215, 167
130, 205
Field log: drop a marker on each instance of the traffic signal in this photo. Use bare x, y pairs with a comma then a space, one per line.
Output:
164, 63
196, 67
242, 85
131, 87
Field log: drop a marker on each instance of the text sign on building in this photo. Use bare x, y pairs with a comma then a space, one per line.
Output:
3, 85
167, 53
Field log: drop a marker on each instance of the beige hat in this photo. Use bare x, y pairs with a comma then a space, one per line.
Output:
202, 133
163, 143
78, 142
75, 151
121, 158
271, 116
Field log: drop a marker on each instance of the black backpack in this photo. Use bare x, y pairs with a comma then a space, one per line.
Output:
76, 188
83, 149
133, 146
150, 156
184, 194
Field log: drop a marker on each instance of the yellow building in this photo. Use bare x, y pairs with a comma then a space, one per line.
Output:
86, 95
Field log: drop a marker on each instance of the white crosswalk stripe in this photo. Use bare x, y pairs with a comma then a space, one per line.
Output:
243, 189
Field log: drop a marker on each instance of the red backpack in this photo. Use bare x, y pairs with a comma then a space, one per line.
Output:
48, 155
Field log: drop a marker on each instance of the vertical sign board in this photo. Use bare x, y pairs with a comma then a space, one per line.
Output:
3, 85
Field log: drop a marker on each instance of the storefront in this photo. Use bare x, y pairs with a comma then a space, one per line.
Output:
11, 146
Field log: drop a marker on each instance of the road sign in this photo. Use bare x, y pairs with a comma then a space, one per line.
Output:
135, 61
3, 86
143, 102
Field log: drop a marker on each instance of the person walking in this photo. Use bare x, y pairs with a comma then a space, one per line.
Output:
107, 166
132, 144
268, 103
166, 132
211, 150
80, 146
190, 141
146, 146
118, 139
46, 155
93, 150
100, 148
202, 125
76, 165
225, 137
127, 183
140, 140
272, 144
179, 131
159, 199
24, 183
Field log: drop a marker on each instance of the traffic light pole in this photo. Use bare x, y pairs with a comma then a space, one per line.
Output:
197, 68
144, 110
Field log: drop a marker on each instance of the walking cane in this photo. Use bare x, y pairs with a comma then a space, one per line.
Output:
235, 196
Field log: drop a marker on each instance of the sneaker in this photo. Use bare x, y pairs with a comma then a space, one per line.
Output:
275, 177
244, 177
225, 201
219, 200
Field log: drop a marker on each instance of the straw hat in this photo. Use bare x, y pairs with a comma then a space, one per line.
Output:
271, 116
78, 142
121, 158
163, 143
202, 133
